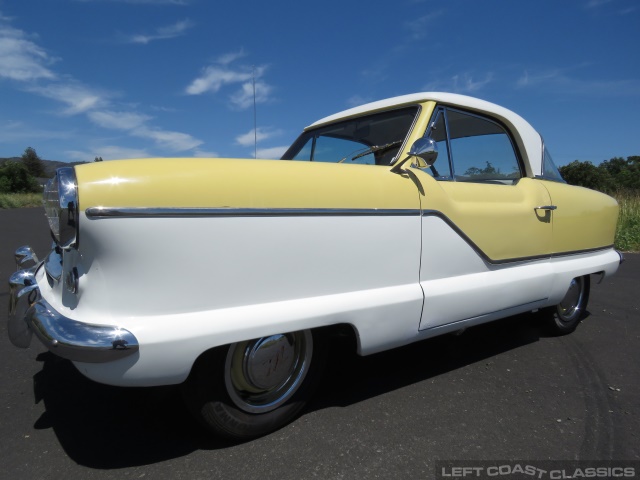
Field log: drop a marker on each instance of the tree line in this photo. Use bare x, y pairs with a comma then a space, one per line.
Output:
611, 176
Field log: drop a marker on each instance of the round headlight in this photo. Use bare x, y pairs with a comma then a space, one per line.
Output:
61, 206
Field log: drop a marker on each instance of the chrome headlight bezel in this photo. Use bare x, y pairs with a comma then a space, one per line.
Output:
61, 207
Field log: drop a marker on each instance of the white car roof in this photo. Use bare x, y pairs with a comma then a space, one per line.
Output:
528, 139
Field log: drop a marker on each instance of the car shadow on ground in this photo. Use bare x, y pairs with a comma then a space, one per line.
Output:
108, 427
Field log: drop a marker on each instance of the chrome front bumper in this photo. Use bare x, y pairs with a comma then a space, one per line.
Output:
78, 341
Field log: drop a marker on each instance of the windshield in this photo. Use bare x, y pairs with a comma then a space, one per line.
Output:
372, 139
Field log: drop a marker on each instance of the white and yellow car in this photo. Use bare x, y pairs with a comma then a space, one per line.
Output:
402, 219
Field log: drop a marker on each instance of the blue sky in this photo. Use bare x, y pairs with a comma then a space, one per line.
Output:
172, 78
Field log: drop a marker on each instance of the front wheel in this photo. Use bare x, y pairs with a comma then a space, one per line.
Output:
252, 388
565, 317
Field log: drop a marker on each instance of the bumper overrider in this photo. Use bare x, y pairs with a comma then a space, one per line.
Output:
77, 341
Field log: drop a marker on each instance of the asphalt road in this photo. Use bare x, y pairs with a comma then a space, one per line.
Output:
502, 391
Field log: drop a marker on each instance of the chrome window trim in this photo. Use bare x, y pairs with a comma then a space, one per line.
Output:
432, 121
409, 133
143, 212
446, 108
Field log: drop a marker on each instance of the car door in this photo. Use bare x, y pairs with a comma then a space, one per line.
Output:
486, 229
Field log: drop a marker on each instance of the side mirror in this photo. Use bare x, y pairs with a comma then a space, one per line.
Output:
424, 149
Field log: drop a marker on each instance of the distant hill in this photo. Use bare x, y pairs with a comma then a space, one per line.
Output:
50, 166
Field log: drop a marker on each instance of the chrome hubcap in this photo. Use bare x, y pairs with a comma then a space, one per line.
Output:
571, 304
262, 374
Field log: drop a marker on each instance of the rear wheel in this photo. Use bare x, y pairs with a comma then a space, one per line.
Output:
565, 317
252, 388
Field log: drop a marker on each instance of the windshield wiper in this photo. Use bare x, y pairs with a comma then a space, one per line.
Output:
377, 148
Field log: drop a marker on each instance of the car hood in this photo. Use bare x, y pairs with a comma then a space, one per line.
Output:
220, 183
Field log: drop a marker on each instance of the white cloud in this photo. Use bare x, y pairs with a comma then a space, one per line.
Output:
466, 83
214, 77
205, 154
19, 131
163, 33
244, 97
118, 120
357, 100
137, 125
460, 83
228, 58
559, 81
261, 134
20, 58
78, 98
527, 80
248, 139
175, 141
272, 153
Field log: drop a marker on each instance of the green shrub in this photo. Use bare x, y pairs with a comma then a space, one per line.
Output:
15, 178
628, 231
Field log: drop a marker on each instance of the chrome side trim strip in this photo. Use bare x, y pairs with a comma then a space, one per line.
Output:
141, 212
151, 212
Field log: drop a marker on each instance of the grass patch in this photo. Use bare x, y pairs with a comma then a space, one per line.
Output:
628, 231
20, 200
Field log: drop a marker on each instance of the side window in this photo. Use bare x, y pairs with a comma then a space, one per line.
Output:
480, 149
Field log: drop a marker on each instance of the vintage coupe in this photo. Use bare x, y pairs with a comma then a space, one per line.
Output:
396, 221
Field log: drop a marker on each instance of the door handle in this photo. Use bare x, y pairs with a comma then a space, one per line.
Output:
545, 207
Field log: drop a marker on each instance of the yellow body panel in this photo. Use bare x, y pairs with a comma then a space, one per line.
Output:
585, 219
219, 183
499, 219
